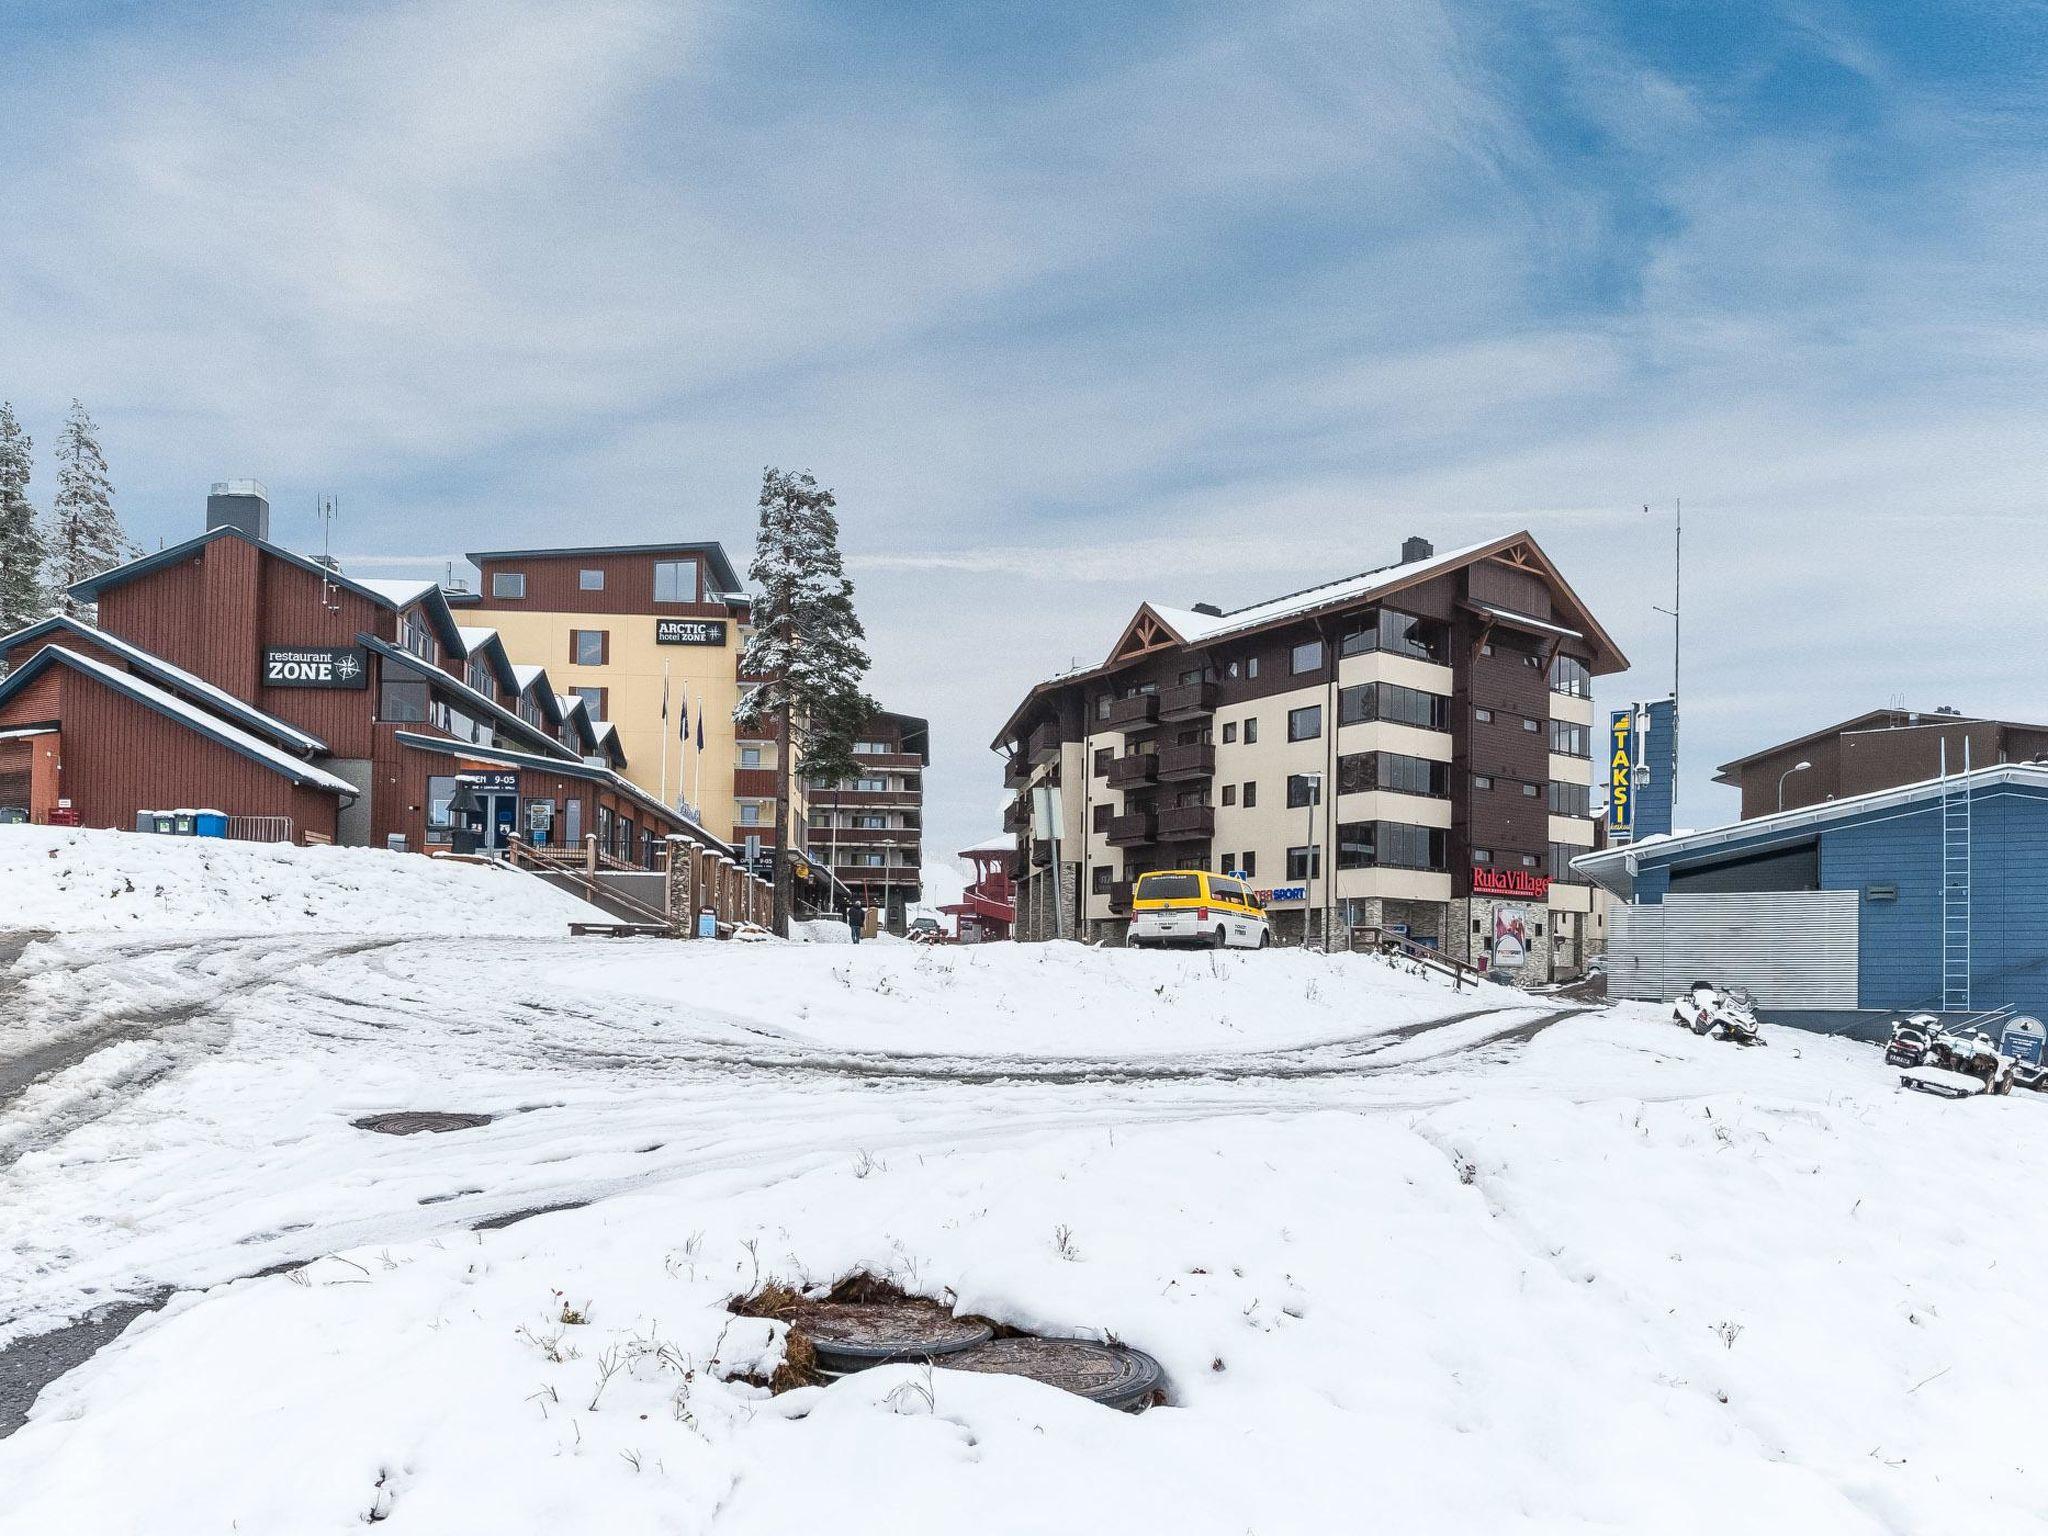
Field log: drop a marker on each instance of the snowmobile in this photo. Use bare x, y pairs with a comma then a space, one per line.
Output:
1728, 1013
1908, 1044
2030, 1074
1961, 1063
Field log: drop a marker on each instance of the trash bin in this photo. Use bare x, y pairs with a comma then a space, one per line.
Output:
145, 821
182, 823
210, 824
163, 823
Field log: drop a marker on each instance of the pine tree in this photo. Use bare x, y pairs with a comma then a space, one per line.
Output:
23, 598
85, 536
807, 646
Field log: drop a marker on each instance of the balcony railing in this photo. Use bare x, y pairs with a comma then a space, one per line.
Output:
1017, 815
1044, 743
1131, 830
1187, 823
1133, 713
1016, 770
1188, 701
1132, 768
1120, 895
1197, 760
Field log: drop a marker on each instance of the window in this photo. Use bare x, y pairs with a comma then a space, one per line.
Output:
1248, 864
1358, 772
403, 700
1394, 703
1103, 758
1561, 856
1102, 704
1531, 726
1305, 657
1483, 716
750, 757
440, 825
1230, 733
1305, 723
750, 813
1251, 666
590, 581
1101, 878
415, 637
1304, 789
1530, 791
589, 647
1530, 861
1251, 794
1230, 668
1482, 781
1251, 733
508, 583
593, 699
1568, 675
1400, 633
1482, 855
874, 748
1229, 890
1230, 794
480, 678
1570, 799
1100, 813
1570, 739
675, 581
1304, 863
1188, 678
871, 786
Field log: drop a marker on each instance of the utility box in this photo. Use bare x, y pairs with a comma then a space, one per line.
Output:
209, 824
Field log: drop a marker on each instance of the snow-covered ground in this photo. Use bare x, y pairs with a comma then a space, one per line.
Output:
1413, 1260
73, 880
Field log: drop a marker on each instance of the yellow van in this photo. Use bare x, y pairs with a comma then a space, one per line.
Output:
1192, 906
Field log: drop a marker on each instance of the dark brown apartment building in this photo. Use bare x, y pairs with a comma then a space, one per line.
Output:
1882, 749
1412, 747
869, 829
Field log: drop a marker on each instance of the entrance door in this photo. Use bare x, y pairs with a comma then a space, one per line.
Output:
500, 813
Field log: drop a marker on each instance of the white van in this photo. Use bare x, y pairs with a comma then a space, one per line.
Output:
1192, 906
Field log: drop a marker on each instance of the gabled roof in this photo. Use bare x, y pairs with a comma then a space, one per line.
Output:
396, 595
491, 646
712, 554
1894, 719
176, 679
185, 713
440, 678
1614, 868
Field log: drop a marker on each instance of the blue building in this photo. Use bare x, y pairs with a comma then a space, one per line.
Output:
1930, 897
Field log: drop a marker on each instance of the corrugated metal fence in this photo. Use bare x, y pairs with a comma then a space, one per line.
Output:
1792, 949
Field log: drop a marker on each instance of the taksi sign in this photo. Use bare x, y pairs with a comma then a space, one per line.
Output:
1621, 776
314, 666
689, 632
1488, 881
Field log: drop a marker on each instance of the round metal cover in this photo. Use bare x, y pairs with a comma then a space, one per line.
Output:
849, 1335
411, 1122
1111, 1374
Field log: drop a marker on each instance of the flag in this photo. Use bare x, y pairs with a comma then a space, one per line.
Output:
664, 693
684, 706
700, 722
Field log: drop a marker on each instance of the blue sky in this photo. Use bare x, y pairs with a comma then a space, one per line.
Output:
1080, 304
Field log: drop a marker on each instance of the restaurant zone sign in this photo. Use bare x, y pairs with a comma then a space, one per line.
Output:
1488, 881
314, 666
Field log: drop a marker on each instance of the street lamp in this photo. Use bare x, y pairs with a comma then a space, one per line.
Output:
1795, 768
1314, 782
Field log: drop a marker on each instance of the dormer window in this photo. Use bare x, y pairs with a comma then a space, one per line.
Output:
414, 635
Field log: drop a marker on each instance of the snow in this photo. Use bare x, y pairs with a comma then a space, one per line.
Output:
398, 592
1400, 1249
226, 730
75, 879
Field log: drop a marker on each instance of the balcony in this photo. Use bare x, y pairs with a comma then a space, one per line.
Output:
1132, 768
864, 837
900, 761
1189, 701
1044, 743
1135, 713
1187, 823
1017, 815
1130, 831
1016, 770
1197, 760
754, 783
1120, 895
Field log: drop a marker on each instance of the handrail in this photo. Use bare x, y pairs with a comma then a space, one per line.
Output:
1386, 943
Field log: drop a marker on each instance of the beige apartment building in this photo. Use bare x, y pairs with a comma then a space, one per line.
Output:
1411, 748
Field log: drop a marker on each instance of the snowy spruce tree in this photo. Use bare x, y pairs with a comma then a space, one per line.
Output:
85, 536
806, 645
23, 597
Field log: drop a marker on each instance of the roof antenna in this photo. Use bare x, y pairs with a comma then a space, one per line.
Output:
327, 508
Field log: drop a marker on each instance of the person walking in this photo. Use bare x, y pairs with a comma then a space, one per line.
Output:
856, 917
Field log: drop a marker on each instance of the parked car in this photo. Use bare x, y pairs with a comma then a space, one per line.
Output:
1192, 906
926, 930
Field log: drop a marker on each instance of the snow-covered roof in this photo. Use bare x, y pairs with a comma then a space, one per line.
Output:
27, 731
174, 677
1004, 844
167, 703
400, 594
527, 675
475, 638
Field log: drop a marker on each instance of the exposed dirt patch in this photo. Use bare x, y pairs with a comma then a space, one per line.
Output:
411, 1122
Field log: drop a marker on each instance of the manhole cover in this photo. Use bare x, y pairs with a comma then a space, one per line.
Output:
1111, 1374
411, 1122
851, 1335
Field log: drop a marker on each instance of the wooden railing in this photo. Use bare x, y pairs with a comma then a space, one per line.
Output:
1380, 941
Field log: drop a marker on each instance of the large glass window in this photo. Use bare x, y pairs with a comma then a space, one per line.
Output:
1305, 657
1570, 799
1358, 772
1304, 789
587, 647
403, 700
675, 581
1306, 723
1389, 845
1304, 863
590, 581
1561, 856
1395, 703
1568, 675
1570, 739
440, 790
415, 637
1401, 633
508, 584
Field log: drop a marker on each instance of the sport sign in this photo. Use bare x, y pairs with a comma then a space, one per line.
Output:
689, 631
314, 666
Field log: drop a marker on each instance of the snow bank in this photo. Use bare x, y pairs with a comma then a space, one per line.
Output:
73, 880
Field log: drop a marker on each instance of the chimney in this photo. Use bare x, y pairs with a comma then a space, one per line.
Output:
1414, 549
1210, 609
242, 505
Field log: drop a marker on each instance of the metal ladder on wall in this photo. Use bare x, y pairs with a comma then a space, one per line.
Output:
1955, 884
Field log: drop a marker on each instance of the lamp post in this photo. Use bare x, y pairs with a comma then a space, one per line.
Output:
1795, 768
1308, 856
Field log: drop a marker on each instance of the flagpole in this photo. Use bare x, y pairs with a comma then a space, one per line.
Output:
664, 738
697, 793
